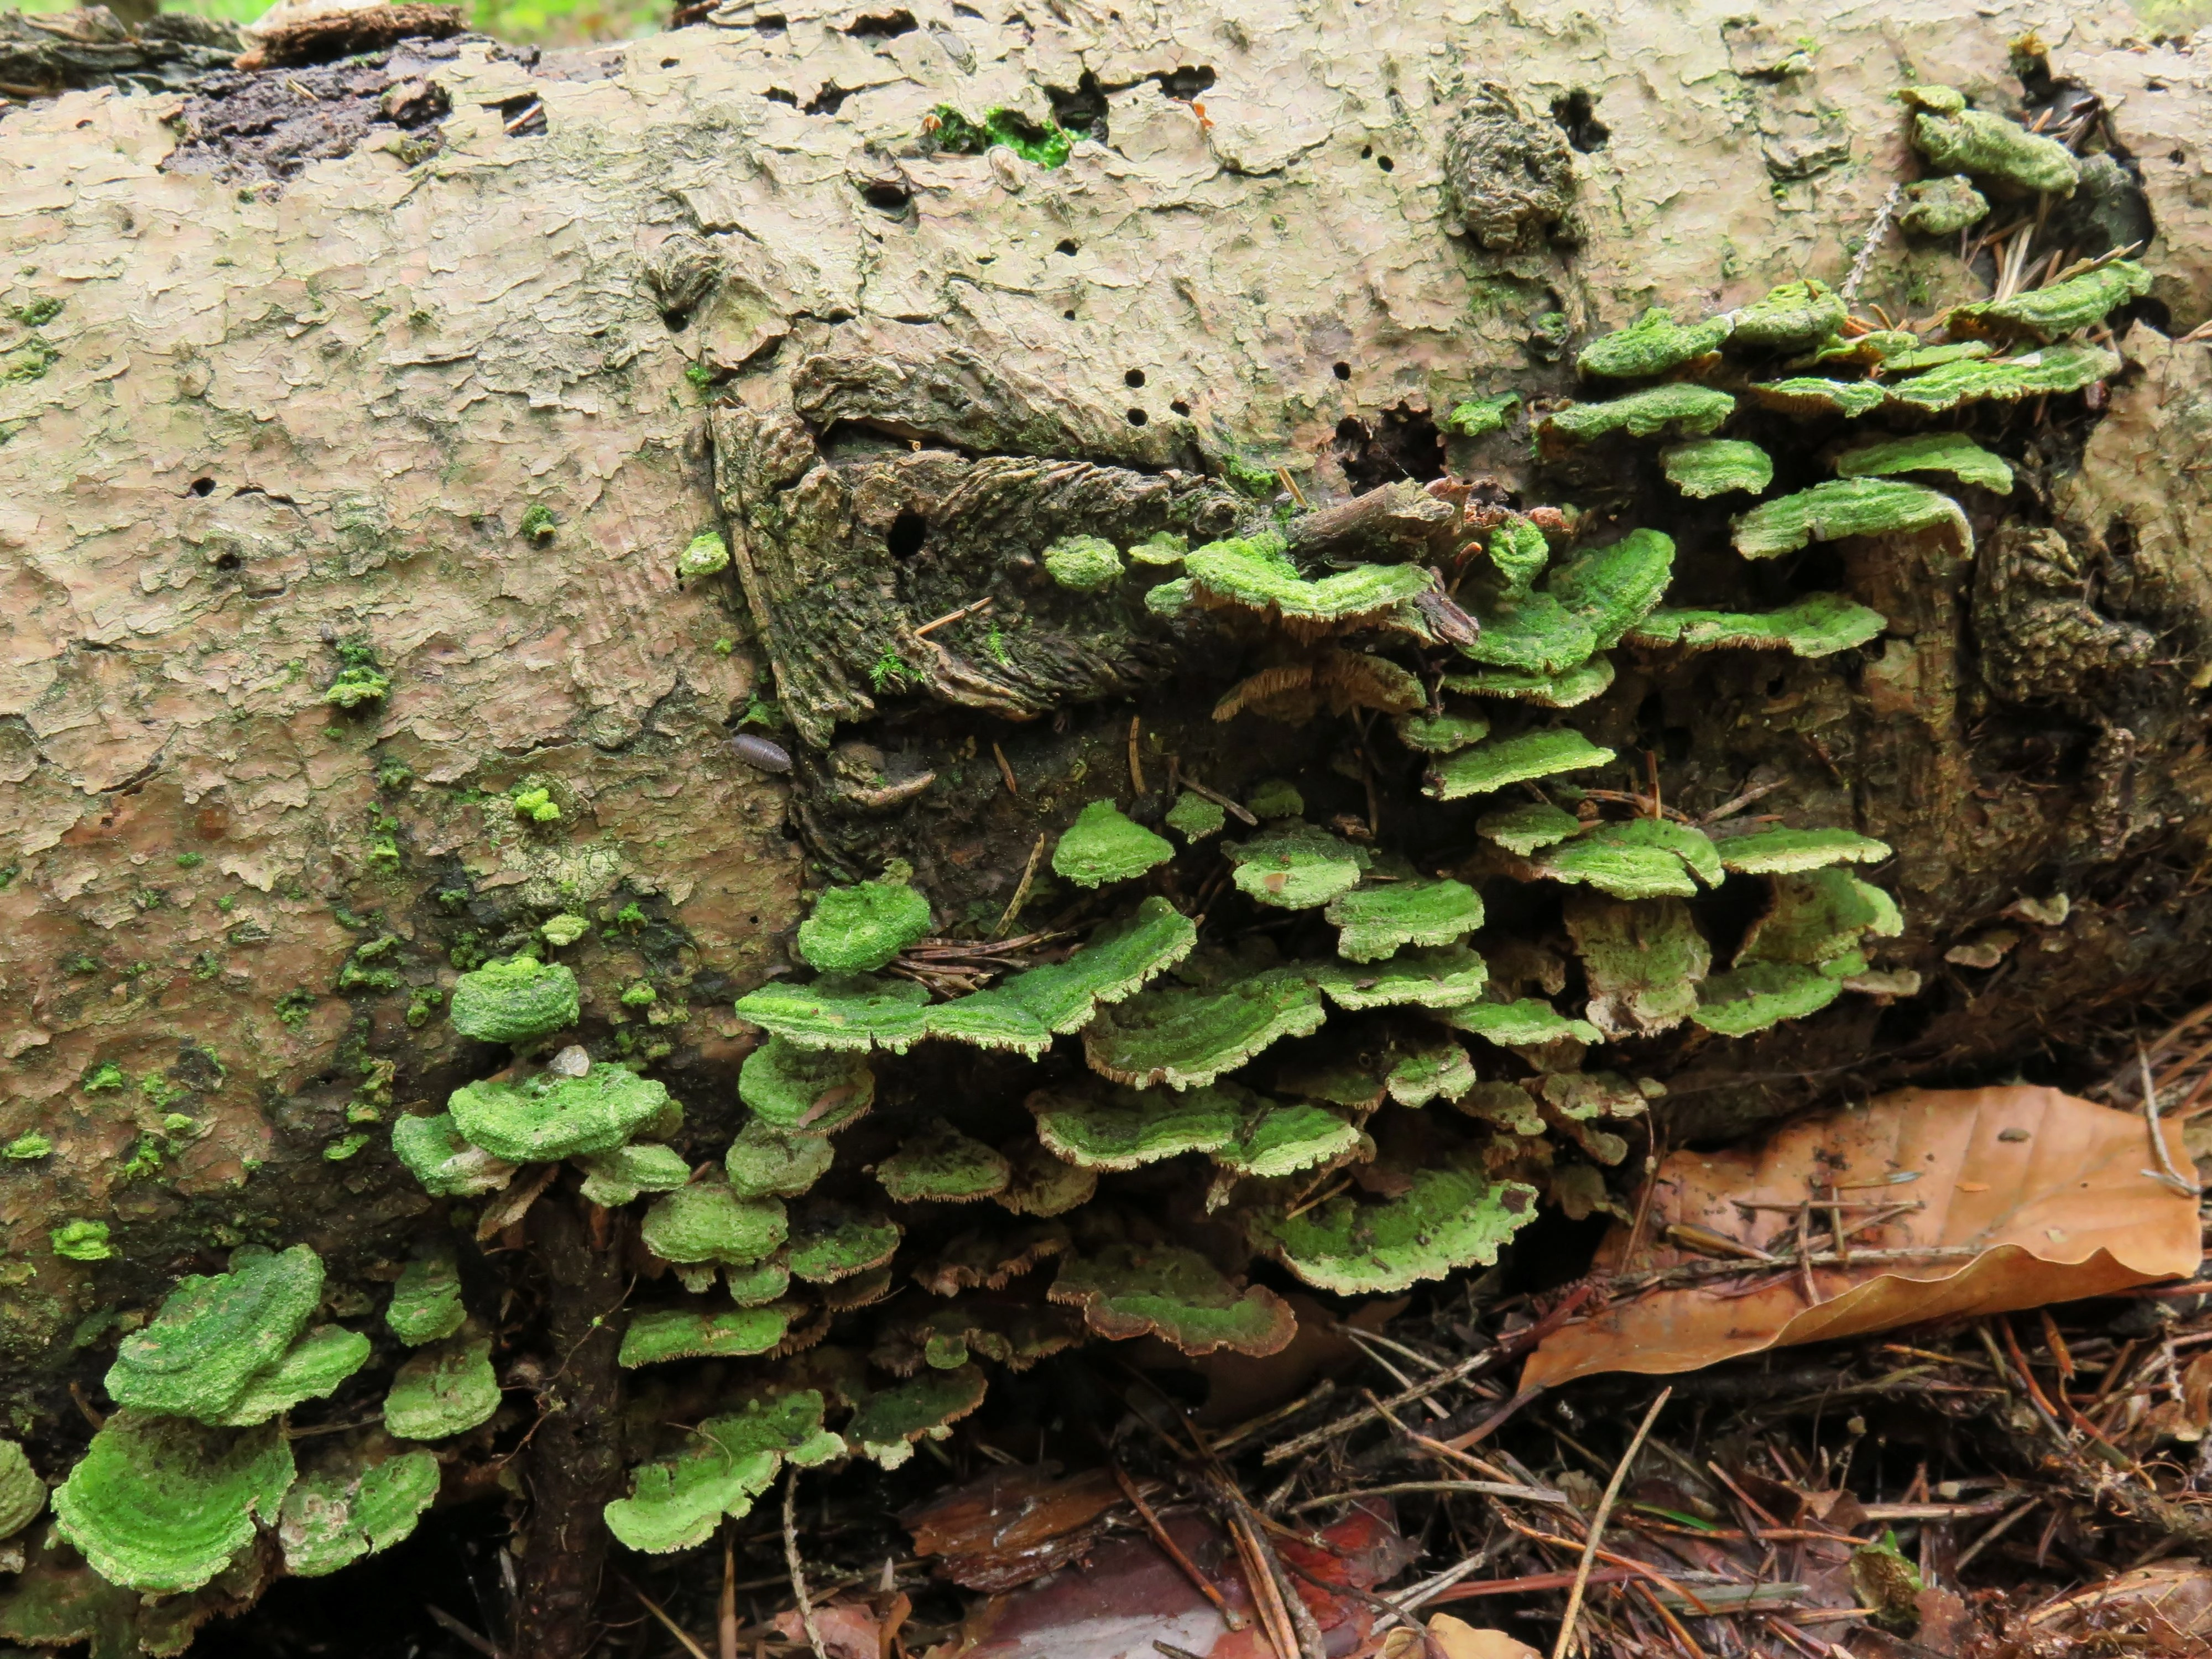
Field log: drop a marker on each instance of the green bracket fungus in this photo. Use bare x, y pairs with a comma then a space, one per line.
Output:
330, 1521
162, 1504
1375, 921
1526, 1023
312, 1367
987, 1259
1440, 978
1679, 410
1439, 734
1638, 858
563, 929
1490, 767
1846, 506
677, 1503
1868, 351
1275, 797
1085, 564
1810, 394
1792, 317
1569, 689
536, 805
1518, 552
766, 1162
1171, 598
2055, 369
1934, 356
1042, 1184
1652, 344
1532, 632
1188, 1037
1789, 851
1477, 417
1445, 1219
840, 1011
1195, 818
1818, 625
857, 929
2055, 310
797, 1088
1954, 453
1940, 207
1507, 1105
1528, 827
1254, 573
945, 1166
1102, 845
1609, 589
888, 1423
1819, 917
442, 1390
82, 1241
833, 1242
1293, 866
1281, 1140
1705, 467
658, 1334
615, 1178
514, 999
426, 1303
1440, 1070
1108, 1127
1762, 993
1126, 1290
1161, 548
548, 1117
23, 1494
703, 555
708, 1222
1989, 148
1028, 1010
944, 1337
361, 678
762, 1282
447, 1166
1643, 963
216, 1334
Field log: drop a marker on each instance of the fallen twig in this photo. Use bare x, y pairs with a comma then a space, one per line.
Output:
798, 1572
1191, 1570
1029, 872
1597, 1525
1481, 1488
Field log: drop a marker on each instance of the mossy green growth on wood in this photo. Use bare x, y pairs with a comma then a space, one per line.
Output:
1794, 316
1518, 551
1532, 633
942, 1165
535, 804
426, 1301
1525, 1021
1275, 797
1679, 410
2055, 310
1478, 416
1439, 734
444, 1389
361, 679
82, 1241
1653, 344
1705, 467
709, 1222
857, 929
1818, 625
1104, 845
1101, 1126
2053, 370
546, 1118
703, 555
677, 1503
657, 1335
215, 1333
1128, 1291
1986, 147
1026, 1011
1187, 1037
1492, 766
797, 1088
952, 133
1373, 923
161, 1505
1444, 1220
332, 1519
514, 999
1083, 563
1954, 453
1846, 506
1294, 866
1940, 207
854, 1012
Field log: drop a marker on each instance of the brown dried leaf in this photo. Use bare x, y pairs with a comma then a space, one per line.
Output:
1011, 1525
2171, 1600
1454, 1638
2026, 1196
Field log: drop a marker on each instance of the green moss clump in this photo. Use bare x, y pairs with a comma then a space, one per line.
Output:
105, 1075
1374, 922
1528, 827
678, 1503
426, 1302
888, 1423
1254, 573
2053, 370
1954, 453
1293, 866
539, 522
1439, 734
1518, 552
1940, 207
161, 1505
1083, 563
360, 678
1818, 625
1445, 1219
942, 1165
1490, 767
563, 929
1956, 139
1275, 797
2047, 313
840, 1011
535, 805
215, 1333
1187, 1037
548, 1118
616, 1177
1195, 818
1791, 852
1714, 467
514, 999
1046, 146
1103, 846
1161, 548
708, 1222
1568, 689
25, 1147
1478, 416
1679, 409
1176, 1294
1794, 316
442, 1390
857, 929
1812, 394
657, 1335
330, 1521
703, 555
1652, 344
1846, 506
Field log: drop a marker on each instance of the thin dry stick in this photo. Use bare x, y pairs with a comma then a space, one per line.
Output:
1021, 891
2166, 1171
1597, 1525
674, 1629
1481, 1488
797, 1572
951, 616
1206, 1588
1005, 770
452, 1626
1267, 1595
726, 1621
1345, 1424
1136, 766
1235, 810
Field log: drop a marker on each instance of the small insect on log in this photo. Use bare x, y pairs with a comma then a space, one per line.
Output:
760, 753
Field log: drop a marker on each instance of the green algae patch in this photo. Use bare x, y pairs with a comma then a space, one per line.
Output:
888, 1423
797, 1088
1104, 1126
1195, 818
1568, 689
1103, 845
1940, 207
1439, 734
943, 1166
677, 1503
1792, 317
514, 999
2053, 370
162, 1504
23, 1494
1253, 573
834, 1242
657, 1335
1954, 453
1518, 552
1445, 1220
1373, 923
1846, 506
2055, 310
1640, 858
1528, 828
1493, 766
547, 1118
1292, 865
437, 1155
857, 929
1818, 625
703, 555
1478, 417
708, 1222
1046, 146
1187, 1037
1986, 147
1680, 410
536, 805
1714, 467
1126, 1290
1791, 852
1812, 394
1083, 563
442, 1390
215, 1333
840, 1011
1441, 978
1028, 1010
1653, 344
1525, 1022
630, 1171
766, 1162
311, 1368
426, 1302
1759, 995
25, 1147
1534, 633
1643, 963
1609, 589
330, 1520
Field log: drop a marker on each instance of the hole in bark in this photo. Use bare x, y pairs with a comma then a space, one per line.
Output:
883, 25
828, 100
886, 197
1404, 443
1576, 114
774, 23
1343, 371
677, 319
1135, 377
1066, 244
228, 561
1082, 111
1137, 417
1069, 315
778, 95
908, 533
1366, 151
1186, 83
203, 486
1386, 164
1179, 406
670, 63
